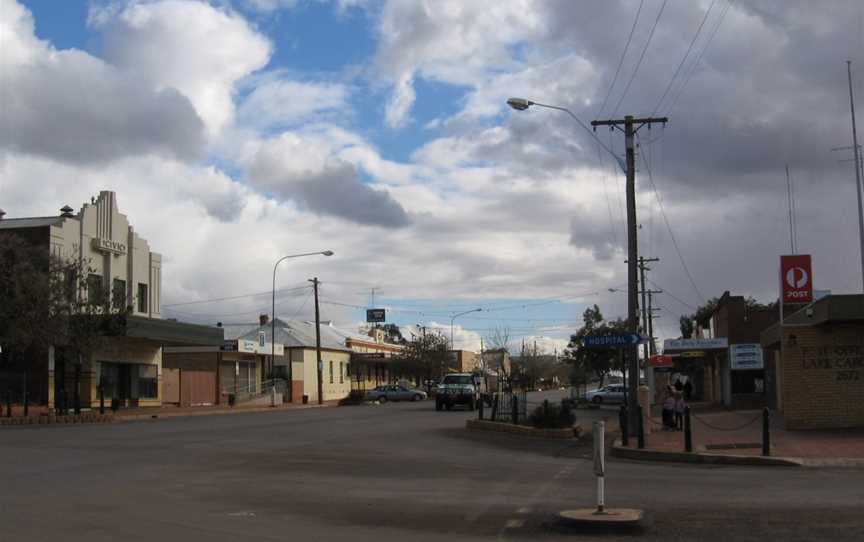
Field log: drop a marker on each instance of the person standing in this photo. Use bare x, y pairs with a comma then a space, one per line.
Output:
688, 390
679, 386
679, 410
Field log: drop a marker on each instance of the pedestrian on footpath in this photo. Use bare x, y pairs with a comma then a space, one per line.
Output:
679, 410
669, 409
688, 389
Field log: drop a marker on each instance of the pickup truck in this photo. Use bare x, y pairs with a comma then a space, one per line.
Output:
458, 389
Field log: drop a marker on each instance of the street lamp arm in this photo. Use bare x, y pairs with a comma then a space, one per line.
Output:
452, 318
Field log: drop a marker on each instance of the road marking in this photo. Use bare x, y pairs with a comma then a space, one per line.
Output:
524, 510
242, 514
514, 523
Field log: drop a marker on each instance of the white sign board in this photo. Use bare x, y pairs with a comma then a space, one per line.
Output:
695, 344
255, 347
745, 356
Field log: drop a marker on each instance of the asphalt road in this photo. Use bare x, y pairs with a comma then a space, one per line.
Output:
383, 473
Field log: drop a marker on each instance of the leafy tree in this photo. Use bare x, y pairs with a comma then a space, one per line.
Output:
686, 324
424, 356
597, 361
393, 334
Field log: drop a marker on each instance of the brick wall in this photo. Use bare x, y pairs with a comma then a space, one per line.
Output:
823, 376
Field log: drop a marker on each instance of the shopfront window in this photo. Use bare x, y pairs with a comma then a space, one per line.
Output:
331, 372
118, 294
148, 382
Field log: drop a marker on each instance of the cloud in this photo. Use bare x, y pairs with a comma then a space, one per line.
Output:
203, 51
305, 168
280, 102
398, 108
71, 106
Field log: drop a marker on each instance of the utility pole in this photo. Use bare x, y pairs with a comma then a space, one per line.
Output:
856, 150
631, 126
642, 268
315, 283
652, 348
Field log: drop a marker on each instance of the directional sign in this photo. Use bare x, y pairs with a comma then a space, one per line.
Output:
611, 341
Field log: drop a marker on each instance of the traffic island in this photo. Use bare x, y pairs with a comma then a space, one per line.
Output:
610, 519
524, 430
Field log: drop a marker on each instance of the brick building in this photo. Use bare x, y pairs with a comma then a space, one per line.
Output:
817, 357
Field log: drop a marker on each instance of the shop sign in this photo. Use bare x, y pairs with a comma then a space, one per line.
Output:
695, 344
254, 347
659, 360
796, 278
846, 360
746, 356
693, 354
109, 245
375, 315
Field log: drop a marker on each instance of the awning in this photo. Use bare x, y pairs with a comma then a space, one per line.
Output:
172, 332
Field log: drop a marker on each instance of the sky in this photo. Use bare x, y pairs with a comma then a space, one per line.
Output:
239, 131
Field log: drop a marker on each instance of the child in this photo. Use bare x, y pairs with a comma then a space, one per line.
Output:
669, 409
679, 411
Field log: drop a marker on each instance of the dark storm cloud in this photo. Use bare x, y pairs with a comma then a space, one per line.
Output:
74, 108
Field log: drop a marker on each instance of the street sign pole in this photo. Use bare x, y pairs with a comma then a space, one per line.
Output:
600, 463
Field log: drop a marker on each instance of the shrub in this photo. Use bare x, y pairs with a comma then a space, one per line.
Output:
552, 416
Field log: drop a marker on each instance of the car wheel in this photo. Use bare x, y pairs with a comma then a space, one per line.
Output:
417, 397
597, 400
382, 398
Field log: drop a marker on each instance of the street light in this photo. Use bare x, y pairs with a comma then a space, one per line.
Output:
451, 323
521, 104
273, 316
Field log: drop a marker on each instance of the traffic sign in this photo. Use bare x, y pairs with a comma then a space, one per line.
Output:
611, 341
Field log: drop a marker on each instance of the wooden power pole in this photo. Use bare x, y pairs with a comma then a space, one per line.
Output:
320, 364
631, 126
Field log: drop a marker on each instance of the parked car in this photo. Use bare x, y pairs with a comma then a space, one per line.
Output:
607, 394
458, 389
395, 393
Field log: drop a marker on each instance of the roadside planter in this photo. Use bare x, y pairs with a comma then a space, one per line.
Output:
503, 427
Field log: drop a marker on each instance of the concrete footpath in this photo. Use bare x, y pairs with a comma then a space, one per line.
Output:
735, 437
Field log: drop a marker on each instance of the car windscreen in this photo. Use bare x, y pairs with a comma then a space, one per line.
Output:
457, 379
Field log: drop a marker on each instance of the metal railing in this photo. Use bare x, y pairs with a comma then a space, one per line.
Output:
255, 390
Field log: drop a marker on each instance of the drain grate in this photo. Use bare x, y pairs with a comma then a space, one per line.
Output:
733, 446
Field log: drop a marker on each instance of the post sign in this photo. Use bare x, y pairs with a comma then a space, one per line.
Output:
745, 356
375, 315
611, 341
796, 278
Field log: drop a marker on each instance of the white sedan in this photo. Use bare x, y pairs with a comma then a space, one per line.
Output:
607, 394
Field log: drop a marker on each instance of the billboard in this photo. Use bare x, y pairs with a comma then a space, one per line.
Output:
374, 315
796, 278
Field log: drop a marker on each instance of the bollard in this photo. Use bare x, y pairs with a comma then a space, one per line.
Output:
515, 410
25, 397
766, 433
688, 436
545, 408
640, 430
8, 404
101, 399
480, 409
622, 422
600, 463
77, 389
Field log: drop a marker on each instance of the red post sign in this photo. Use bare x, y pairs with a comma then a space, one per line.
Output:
796, 278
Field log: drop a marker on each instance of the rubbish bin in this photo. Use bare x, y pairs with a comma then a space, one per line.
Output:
231, 399
305, 399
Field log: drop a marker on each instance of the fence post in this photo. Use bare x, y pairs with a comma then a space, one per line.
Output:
515, 409
545, 408
688, 436
640, 429
766, 432
494, 408
622, 422
480, 409
8, 402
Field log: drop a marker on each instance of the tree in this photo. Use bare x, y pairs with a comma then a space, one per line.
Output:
50, 301
425, 356
686, 323
597, 361
393, 334
499, 339
534, 365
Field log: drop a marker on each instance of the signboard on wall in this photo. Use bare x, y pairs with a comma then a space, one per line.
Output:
659, 360
796, 278
695, 344
746, 356
375, 315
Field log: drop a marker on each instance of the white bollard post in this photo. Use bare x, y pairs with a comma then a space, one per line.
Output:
600, 463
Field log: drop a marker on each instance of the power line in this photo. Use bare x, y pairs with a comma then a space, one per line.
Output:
671, 295
241, 296
621, 60
692, 70
641, 57
669, 227
690, 48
